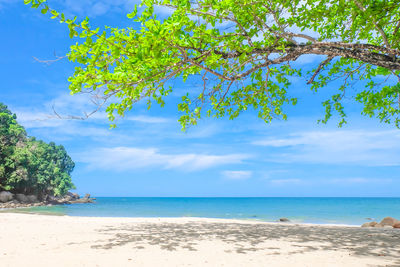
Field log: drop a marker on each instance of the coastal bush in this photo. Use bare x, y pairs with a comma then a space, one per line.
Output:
31, 166
244, 54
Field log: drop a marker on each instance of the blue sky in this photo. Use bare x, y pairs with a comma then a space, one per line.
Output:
148, 155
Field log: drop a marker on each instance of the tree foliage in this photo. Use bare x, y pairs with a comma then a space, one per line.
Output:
28, 165
245, 53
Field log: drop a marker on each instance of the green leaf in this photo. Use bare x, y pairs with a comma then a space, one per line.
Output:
44, 10
246, 64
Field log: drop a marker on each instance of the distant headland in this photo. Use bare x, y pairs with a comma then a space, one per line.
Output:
32, 172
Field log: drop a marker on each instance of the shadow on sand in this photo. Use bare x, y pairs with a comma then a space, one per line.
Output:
249, 237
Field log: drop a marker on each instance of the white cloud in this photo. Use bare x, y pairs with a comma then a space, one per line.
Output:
163, 10
93, 8
74, 105
67, 109
73, 130
284, 182
147, 119
237, 175
204, 130
99, 8
37, 119
131, 158
364, 147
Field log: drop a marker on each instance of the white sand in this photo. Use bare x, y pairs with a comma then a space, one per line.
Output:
39, 240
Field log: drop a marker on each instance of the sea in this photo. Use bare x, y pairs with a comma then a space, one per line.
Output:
316, 210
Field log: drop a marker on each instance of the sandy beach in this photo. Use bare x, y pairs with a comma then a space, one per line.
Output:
40, 240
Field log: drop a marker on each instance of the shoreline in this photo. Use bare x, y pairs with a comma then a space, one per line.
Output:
222, 220
358, 213
122, 241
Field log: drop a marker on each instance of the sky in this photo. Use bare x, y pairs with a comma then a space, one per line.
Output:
148, 155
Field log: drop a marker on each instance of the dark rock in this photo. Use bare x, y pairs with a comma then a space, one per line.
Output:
85, 199
43, 197
284, 220
32, 198
5, 196
73, 198
54, 200
66, 198
389, 221
73, 195
21, 198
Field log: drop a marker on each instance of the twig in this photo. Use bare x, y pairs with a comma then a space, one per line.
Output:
326, 61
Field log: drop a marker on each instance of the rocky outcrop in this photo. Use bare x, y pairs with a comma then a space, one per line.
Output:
284, 220
32, 199
73, 195
70, 198
21, 198
10, 201
85, 199
6, 196
387, 222
369, 224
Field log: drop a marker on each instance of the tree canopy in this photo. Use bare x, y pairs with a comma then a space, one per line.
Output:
244, 53
28, 165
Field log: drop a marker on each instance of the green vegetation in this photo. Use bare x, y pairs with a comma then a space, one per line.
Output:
244, 52
30, 166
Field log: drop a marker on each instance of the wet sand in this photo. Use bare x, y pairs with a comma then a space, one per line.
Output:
40, 240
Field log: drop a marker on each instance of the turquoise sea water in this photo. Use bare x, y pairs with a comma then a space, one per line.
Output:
353, 211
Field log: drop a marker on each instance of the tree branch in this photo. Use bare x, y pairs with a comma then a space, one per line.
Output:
326, 61
379, 29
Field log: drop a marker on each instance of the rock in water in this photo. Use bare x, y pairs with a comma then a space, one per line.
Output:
85, 199
284, 220
389, 221
5, 196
